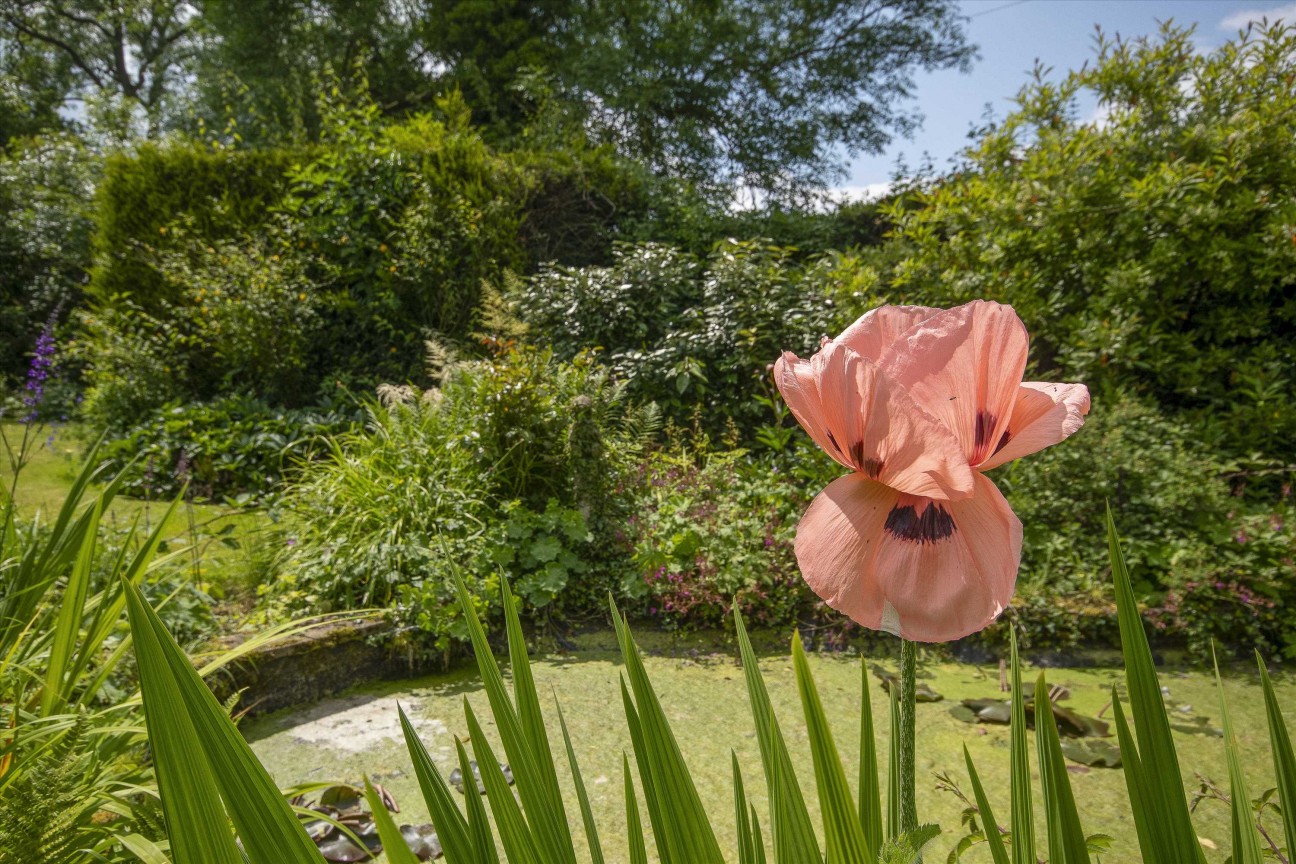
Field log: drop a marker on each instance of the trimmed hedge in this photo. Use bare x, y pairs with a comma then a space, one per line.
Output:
223, 192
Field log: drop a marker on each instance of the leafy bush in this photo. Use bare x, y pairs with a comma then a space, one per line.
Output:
45, 187
1245, 600
1149, 467
712, 532
235, 447
134, 363
516, 465
218, 194
1153, 249
285, 273
687, 333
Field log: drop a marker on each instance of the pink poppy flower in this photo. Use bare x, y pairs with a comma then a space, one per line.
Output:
917, 403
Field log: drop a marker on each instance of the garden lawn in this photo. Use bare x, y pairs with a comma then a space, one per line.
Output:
219, 533
703, 693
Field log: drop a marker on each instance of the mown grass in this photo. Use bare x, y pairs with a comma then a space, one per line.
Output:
220, 535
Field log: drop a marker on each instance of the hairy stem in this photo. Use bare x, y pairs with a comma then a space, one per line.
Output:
908, 676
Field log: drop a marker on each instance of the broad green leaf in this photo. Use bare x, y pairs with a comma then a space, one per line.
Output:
843, 834
666, 845
397, 851
1246, 840
994, 839
1136, 781
870, 791
1022, 818
451, 827
587, 813
794, 837
758, 842
634, 828
1283, 759
690, 837
1066, 840
201, 758
527, 700
67, 626
1152, 747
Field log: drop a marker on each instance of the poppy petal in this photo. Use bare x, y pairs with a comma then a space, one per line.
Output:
836, 541
964, 365
1044, 415
879, 430
946, 568
796, 381
877, 329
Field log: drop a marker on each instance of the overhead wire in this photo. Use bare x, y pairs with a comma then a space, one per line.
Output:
998, 8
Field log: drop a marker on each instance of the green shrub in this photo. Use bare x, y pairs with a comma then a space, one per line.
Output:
236, 447
712, 532
134, 362
45, 186
516, 465
1153, 250
401, 224
691, 334
287, 272
1146, 465
1245, 600
218, 193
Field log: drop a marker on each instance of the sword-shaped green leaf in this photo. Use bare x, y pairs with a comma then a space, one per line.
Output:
794, 838
1175, 838
1283, 758
1066, 839
994, 839
843, 833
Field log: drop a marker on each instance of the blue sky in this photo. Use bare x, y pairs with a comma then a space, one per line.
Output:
1011, 36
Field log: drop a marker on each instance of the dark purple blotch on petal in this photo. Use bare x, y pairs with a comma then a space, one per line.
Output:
904, 523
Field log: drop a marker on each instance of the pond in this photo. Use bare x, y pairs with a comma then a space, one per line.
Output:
702, 689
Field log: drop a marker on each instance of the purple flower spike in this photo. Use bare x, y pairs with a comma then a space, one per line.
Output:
37, 373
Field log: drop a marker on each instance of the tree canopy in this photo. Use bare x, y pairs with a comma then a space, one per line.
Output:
768, 95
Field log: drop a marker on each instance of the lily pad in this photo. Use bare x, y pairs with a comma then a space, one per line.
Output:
456, 777
989, 710
340, 797
422, 841
922, 690
343, 849
1096, 753
1078, 725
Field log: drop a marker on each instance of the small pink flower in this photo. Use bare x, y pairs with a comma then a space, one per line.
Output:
917, 403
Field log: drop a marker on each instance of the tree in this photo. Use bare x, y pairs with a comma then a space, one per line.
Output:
263, 62
765, 94
132, 50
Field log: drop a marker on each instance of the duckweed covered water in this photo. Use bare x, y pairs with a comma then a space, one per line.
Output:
702, 690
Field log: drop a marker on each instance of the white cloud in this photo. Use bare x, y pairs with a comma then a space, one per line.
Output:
867, 192
1239, 20
1100, 117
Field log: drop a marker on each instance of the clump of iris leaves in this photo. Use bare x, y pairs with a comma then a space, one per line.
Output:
210, 781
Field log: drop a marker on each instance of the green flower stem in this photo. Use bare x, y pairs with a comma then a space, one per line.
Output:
908, 676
